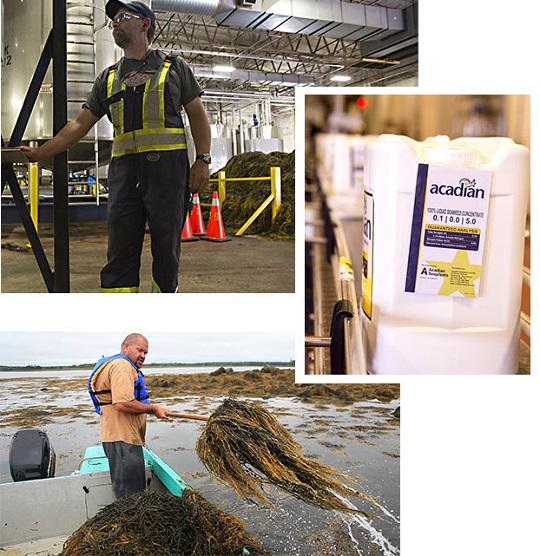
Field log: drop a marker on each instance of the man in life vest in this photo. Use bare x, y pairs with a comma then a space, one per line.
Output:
150, 179
118, 392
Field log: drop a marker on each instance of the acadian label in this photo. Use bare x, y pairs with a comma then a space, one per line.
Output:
448, 230
367, 256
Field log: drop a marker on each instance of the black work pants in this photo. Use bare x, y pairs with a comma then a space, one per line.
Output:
126, 464
153, 188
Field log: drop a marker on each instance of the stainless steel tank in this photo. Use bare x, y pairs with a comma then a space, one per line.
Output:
90, 48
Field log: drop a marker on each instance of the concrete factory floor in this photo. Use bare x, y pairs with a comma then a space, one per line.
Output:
242, 265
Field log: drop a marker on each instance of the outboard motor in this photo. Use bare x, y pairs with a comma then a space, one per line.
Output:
31, 455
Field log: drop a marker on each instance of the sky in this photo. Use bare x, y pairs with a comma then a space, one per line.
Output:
67, 329
72, 348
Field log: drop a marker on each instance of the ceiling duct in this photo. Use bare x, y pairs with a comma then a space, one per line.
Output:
194, 7
329, 18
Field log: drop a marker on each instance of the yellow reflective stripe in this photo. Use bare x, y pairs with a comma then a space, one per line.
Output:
161, 92
158, 289
110, 80
145, 121
112, 110
116, 108
148, 149
133, 289
153, 114
121, 111
153, 131
144, 140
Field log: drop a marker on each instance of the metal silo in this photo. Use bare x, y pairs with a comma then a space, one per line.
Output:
90, 48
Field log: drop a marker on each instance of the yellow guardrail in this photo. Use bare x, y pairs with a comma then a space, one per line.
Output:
275, 194
33, 197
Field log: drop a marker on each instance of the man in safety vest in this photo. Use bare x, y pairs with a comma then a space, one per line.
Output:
149, 178
118, 392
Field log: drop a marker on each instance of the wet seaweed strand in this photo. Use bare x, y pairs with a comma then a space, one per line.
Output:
160, 524
244, 445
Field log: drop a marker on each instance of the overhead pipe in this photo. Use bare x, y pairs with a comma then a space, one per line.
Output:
194, 7
331, 18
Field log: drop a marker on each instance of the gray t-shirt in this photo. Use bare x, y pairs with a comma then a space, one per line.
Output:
182, 83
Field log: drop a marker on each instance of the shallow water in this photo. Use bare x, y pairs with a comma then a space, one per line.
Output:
78, 373
361, 439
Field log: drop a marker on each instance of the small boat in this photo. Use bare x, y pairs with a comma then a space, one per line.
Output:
37, 516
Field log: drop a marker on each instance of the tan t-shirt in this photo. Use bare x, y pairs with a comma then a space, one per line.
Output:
119, 376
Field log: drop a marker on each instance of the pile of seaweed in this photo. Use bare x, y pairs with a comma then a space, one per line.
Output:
244, 198
269, 381
243, 445
154, 524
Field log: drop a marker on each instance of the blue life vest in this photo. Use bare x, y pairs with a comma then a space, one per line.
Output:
139, 387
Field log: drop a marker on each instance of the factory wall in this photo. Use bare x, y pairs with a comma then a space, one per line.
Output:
421, 116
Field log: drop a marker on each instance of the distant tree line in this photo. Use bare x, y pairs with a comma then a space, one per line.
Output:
84, 366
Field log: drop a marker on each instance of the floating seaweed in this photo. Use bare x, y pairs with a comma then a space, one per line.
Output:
160, 524
243, 445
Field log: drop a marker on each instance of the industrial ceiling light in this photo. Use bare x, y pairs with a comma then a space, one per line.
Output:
225, 69
341, 78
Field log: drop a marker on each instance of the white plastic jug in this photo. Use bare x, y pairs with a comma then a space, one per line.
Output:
444, 225
341, 159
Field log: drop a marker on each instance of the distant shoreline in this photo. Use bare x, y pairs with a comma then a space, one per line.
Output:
89, 366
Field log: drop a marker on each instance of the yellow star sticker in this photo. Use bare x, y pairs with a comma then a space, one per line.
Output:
459, 275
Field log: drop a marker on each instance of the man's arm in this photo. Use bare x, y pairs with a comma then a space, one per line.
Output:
68, 136
136, 407
200, 129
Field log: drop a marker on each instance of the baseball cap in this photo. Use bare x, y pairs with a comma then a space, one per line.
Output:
114, 6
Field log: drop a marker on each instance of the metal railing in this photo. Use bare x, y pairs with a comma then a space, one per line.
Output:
343, 339
275, 193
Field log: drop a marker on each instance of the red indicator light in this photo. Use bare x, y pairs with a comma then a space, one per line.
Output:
362, 103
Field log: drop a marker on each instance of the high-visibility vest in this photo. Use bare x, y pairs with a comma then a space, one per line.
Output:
162, 129
139, 387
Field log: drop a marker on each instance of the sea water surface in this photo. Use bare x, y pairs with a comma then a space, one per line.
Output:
78, 373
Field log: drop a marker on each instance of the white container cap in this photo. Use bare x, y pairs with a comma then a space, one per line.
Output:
443, 153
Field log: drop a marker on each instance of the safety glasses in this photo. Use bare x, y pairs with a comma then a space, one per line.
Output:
119, 18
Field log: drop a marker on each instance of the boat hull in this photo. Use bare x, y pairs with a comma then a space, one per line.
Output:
48, 510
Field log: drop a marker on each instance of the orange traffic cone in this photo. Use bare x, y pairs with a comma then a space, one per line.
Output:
216, 230
187, 232
196, 217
